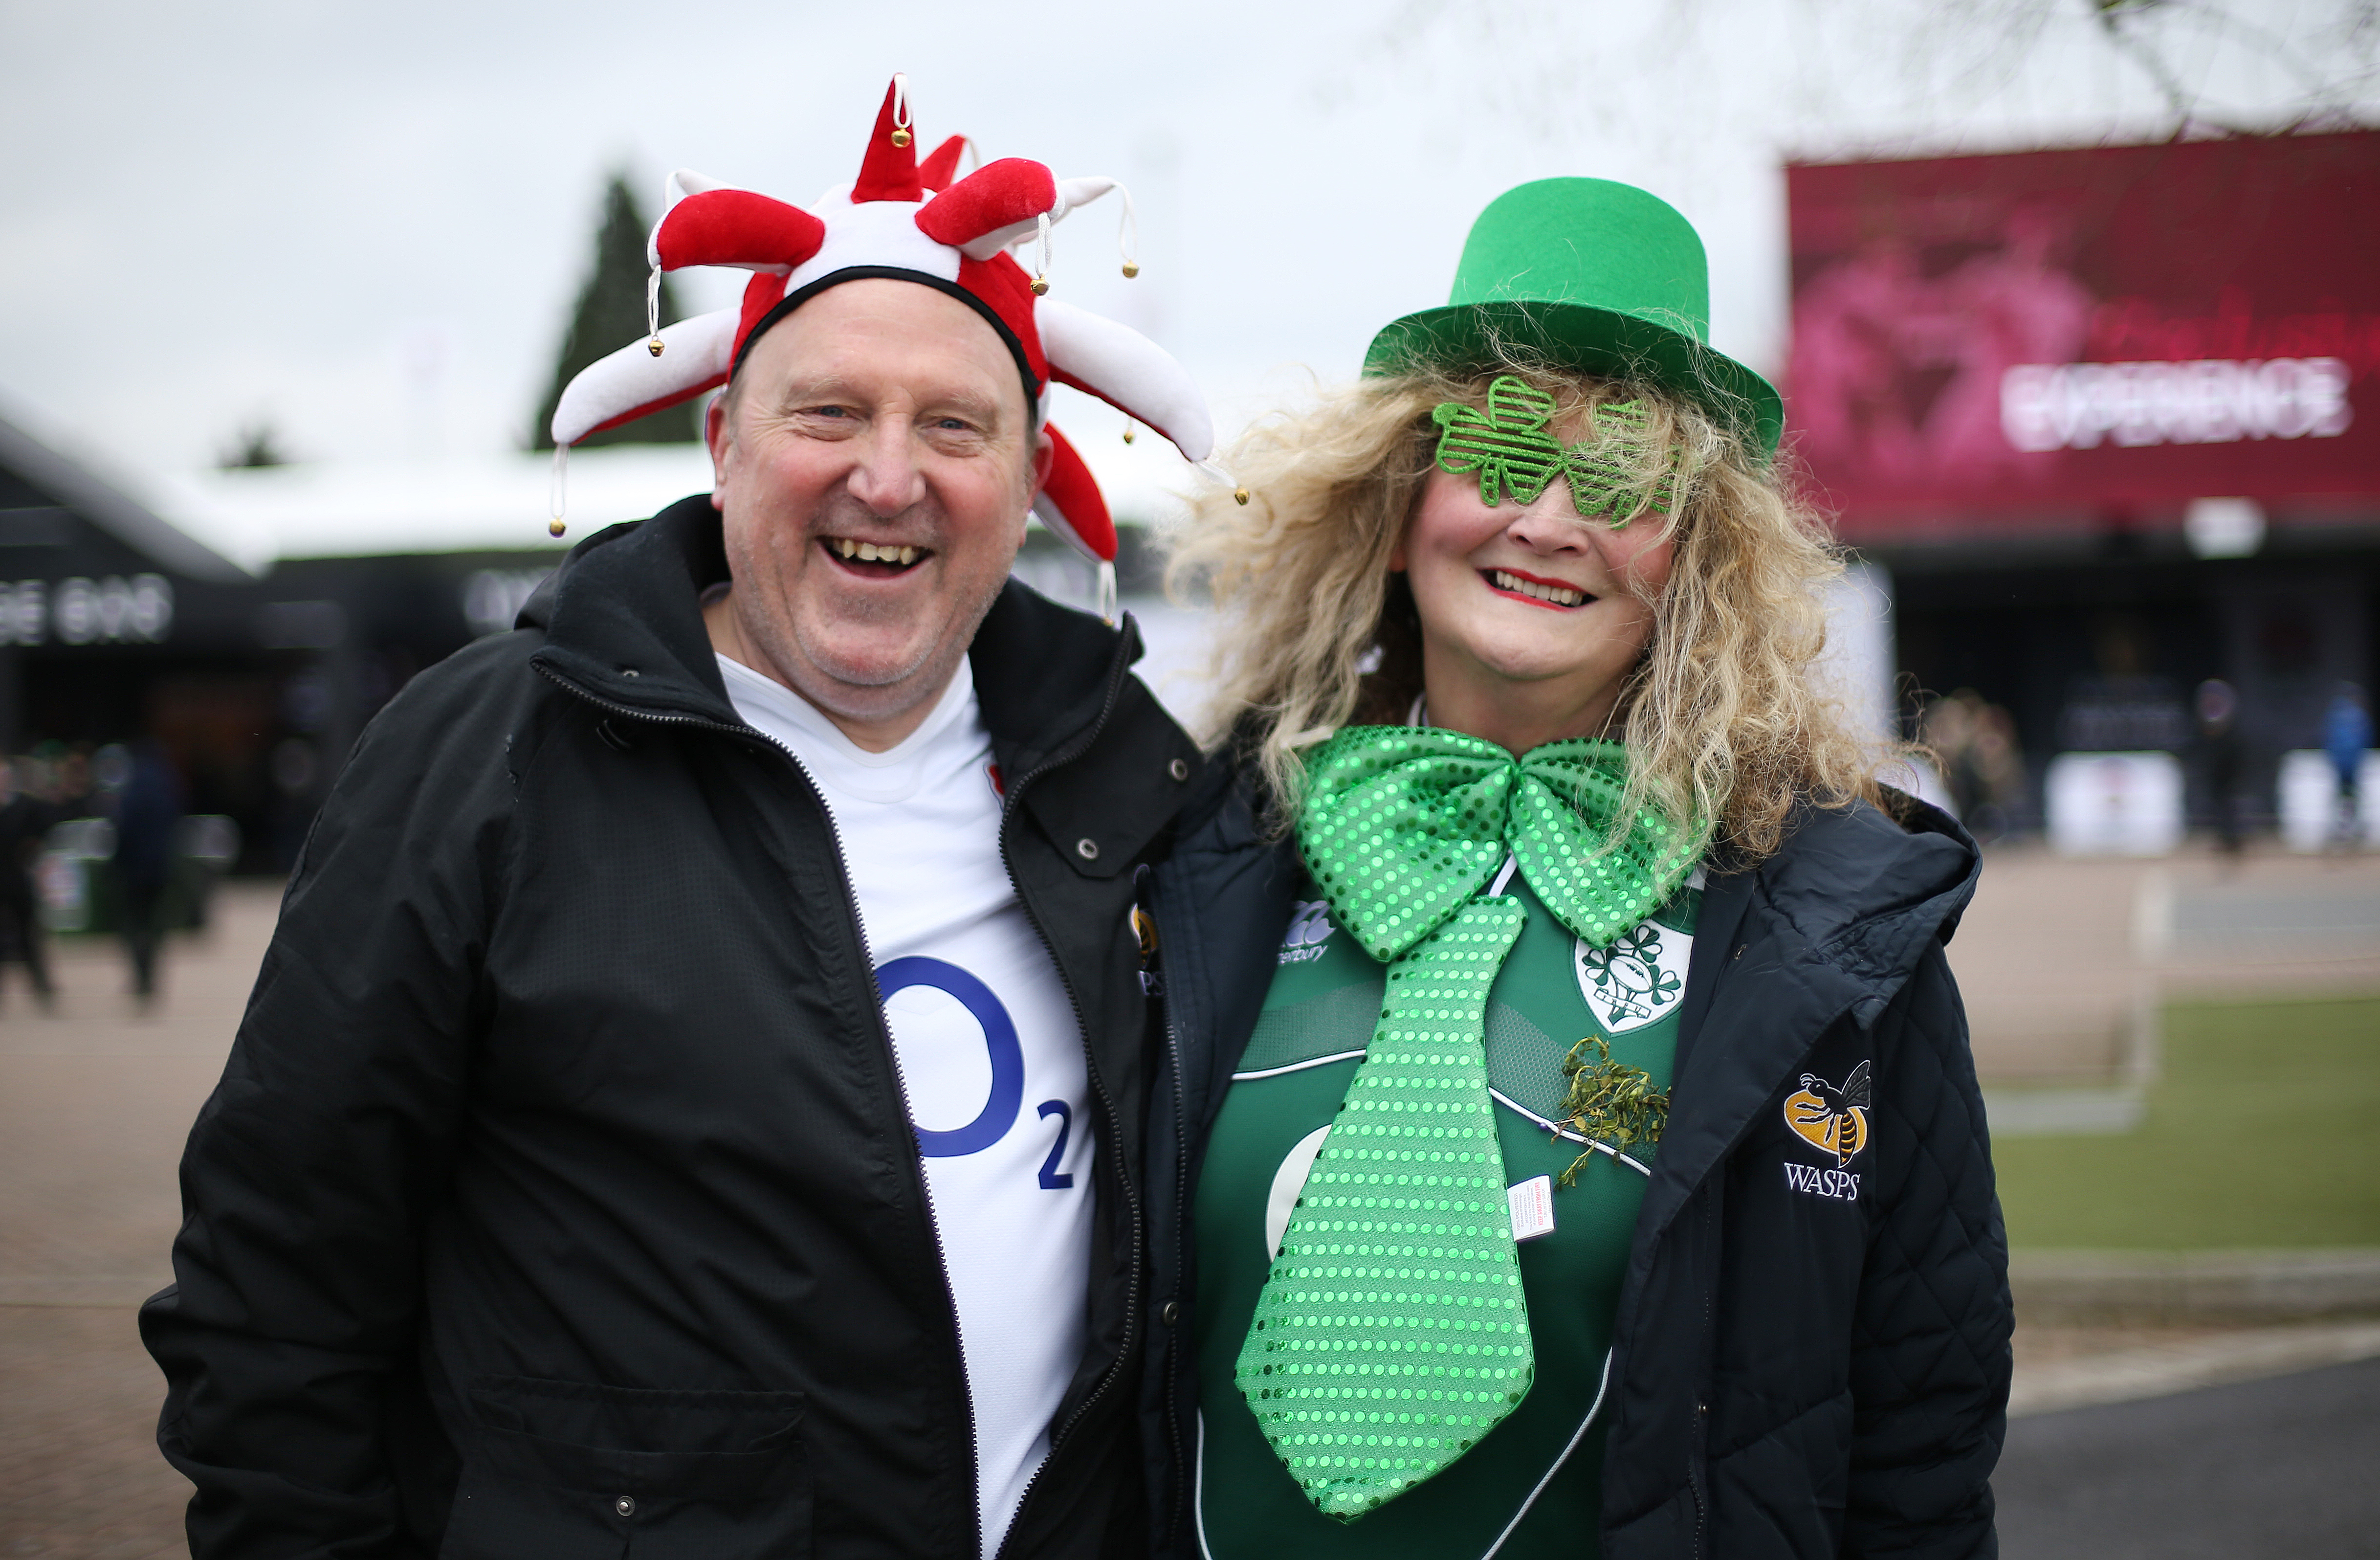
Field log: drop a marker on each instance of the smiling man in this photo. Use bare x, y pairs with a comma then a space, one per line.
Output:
874, 489
704, 1096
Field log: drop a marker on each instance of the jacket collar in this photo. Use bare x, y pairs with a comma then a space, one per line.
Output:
623, 615
622, 622
1044, 673
1833, 925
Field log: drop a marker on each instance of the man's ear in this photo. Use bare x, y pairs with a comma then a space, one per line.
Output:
1044, 455
1036, 471
716, 434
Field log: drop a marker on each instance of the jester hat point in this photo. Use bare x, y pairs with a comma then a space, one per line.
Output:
916, 220
1591, 275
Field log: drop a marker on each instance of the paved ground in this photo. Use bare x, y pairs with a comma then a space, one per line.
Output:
2064, 1367
80, 1474
2060, 960
2283, 1467
95, 1101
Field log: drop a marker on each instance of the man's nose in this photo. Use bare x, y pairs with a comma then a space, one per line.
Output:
887, 478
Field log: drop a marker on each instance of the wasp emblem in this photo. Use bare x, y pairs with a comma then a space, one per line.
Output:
1831, 1119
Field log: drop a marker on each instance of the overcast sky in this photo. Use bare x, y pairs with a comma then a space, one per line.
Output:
366, 224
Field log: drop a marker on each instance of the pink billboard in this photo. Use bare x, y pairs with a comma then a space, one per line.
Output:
2035, 339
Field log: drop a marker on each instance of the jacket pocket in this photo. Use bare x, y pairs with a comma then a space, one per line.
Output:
570, 1470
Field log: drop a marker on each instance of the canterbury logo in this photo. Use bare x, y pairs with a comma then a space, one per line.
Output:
1830, 1120
1309, 928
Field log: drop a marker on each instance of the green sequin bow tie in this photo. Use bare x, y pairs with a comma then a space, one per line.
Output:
1391, 1335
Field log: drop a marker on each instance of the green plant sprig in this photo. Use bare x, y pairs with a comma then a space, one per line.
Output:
1610, 1102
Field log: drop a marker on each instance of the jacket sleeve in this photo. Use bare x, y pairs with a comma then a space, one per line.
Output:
1930, 1349
287, 1339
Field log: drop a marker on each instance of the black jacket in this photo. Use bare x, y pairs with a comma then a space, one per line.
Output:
559, 1197
1811, 1359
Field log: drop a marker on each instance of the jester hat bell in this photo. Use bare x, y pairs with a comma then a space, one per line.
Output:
918, 220
1594, 276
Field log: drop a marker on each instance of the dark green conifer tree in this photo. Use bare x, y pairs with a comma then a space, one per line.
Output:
257, 444
611, 314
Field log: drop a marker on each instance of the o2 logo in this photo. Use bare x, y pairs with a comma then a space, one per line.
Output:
1007, 1091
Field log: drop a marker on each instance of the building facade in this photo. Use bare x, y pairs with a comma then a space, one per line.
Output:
2108, 419
118, 627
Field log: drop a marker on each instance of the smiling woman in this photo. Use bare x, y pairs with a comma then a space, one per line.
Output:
1602, 1167
1365, 569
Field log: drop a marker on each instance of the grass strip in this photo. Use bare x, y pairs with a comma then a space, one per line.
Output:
2264, 1131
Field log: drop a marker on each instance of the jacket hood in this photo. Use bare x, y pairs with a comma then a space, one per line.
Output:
1867, 890
623, 623
1831, 927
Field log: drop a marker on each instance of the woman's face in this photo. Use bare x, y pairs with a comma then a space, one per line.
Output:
1530, 620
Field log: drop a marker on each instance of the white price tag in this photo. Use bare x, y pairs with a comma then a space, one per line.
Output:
1533, 1208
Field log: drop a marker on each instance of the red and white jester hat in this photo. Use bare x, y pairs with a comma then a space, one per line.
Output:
911, 220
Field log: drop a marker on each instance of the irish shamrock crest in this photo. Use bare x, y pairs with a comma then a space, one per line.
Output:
1637, 981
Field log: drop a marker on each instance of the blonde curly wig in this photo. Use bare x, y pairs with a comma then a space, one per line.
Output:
1721, 717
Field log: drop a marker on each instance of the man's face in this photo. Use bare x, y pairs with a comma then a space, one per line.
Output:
881, 417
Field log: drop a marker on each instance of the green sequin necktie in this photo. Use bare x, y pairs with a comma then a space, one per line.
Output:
1391, 1334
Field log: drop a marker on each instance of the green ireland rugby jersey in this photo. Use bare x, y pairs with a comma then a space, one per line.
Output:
1539, 1472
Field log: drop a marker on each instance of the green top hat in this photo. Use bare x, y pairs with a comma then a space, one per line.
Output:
1597, 277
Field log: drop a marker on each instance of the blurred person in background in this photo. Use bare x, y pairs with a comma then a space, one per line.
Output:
148, 817
1949, 731
1596, 1162
1999, 761
2224, 758
1983, 768
294, 768
74, 791
2346, 734
25, 821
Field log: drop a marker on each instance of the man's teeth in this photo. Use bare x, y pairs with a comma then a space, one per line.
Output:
1561, 595
870, 553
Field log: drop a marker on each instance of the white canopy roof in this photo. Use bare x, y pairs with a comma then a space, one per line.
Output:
498, 503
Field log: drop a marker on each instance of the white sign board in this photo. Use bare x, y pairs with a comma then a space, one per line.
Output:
1857, 663
2114, 804
2309, 799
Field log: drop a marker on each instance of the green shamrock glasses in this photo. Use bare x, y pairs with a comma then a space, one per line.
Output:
1511, 447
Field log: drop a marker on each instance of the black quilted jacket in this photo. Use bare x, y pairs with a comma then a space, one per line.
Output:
559, 1200
1812, 1351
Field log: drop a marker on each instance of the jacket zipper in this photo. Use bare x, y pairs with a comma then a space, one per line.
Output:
1116, 675
1182, 1194
749, 737
1696, 1465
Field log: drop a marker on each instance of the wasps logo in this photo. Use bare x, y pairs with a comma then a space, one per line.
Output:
1144, 931
1830, 1120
